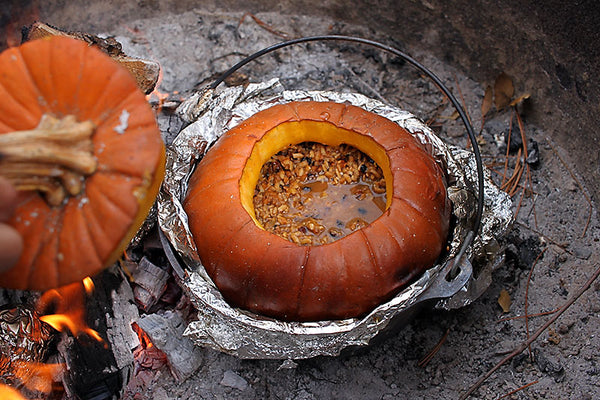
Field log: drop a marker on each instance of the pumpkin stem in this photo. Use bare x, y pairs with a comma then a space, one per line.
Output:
53, 158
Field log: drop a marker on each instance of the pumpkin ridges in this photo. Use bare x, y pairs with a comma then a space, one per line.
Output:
296, 309
11, 112
422, 214
107, 213
111, 101
145, 202
79, 255
230, 281
121, 159
376, 266
385, 249
259, 293
214, 216
137, 111
420, 239
51, 223
137, 120
419, 181
323, 294
210, 186
96, 87
43, 268
41, 58
66, 65
44, 272
126, 202
102, 241
5, 128
329, 111
17, 84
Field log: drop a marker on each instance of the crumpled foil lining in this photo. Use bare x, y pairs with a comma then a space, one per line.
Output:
23, 340
248, 335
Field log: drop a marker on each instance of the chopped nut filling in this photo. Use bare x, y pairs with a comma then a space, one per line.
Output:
313, 194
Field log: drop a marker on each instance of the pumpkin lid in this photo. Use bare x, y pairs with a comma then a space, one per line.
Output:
81, 144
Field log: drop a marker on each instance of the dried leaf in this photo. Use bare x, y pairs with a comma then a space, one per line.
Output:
503, 91
486, 105
519, 99
504, 300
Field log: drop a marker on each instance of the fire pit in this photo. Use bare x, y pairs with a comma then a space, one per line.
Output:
468, 47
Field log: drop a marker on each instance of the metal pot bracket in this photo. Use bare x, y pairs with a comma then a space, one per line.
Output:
448, 284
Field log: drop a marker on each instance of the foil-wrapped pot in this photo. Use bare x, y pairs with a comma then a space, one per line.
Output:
248, 335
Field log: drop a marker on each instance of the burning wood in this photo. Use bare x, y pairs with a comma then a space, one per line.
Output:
150, 283
146, 72
165, 331
59, 353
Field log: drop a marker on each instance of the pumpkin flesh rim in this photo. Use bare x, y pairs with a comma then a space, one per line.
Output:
147, 197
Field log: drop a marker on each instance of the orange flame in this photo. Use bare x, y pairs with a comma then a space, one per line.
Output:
88, 284
68, 303
156, 93
9, 393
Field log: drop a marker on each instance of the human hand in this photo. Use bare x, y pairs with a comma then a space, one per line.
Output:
11, 243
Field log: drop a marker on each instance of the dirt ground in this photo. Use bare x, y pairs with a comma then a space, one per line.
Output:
549, 253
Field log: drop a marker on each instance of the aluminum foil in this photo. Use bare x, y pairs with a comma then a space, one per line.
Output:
248, 335
23, 339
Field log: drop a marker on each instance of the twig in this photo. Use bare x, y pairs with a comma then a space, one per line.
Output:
587, 198
525, 150
525, 344
462, 99
507, 149
530, 315
369, 87
264, 25
517, 390
554, 242
434, 351
527, 299
520, 203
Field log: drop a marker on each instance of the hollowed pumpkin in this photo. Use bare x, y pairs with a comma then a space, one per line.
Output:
266, 274
81, 144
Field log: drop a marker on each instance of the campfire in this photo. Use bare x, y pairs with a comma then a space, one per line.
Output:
116, 333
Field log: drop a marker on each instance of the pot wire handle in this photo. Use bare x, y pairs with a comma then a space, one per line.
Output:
470, 236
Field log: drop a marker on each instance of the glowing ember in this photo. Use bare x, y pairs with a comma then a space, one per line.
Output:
147, 355
145, 341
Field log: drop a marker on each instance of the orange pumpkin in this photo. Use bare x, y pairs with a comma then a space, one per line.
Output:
266, 274
81, 144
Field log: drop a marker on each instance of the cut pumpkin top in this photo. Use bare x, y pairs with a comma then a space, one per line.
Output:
85, 230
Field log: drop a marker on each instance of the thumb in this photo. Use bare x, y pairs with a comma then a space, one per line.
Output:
8, 199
